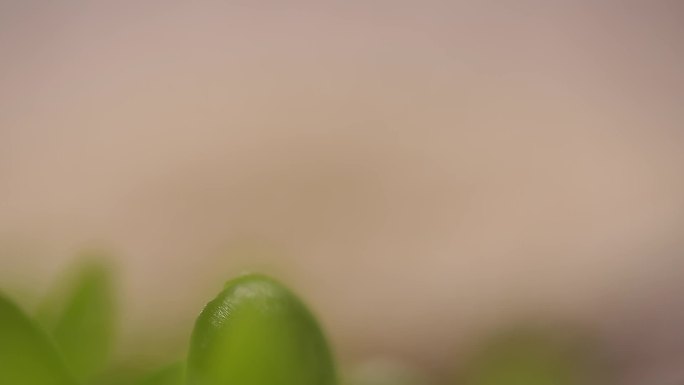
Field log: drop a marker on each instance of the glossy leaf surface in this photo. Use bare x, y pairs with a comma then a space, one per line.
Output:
257, 332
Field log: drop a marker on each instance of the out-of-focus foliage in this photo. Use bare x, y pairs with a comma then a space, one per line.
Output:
80, 315
384, 371
256, 332
527, 356
173, 374
27, 355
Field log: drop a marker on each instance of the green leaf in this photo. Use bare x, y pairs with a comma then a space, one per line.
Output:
527, 357
257, 332
27, 355
80, 317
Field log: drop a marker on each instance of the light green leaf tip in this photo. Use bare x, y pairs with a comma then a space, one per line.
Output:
80, 316
173, 374
527, 357
27, 355
257, 332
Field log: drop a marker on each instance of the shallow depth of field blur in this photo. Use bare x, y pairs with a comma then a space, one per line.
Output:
423, 174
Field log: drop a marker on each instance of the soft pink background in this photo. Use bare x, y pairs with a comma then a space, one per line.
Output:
417, 170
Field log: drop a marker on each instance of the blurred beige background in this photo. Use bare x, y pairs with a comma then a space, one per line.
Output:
419, 171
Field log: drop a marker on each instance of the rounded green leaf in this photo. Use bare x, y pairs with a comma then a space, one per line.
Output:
80, 317
27, 355
257, 332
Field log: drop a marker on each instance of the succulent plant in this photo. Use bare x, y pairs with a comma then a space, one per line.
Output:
254, 332
257, 332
